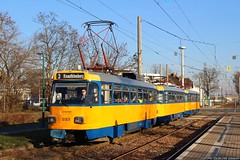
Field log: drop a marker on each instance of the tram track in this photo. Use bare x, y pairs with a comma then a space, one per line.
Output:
154, 143
174, 152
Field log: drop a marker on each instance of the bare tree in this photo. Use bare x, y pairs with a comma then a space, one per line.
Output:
124, 60
56, 40
12, 63
155, 69
208, 80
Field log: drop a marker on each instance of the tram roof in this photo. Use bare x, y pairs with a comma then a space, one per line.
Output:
170, 88
117, 79
193, 92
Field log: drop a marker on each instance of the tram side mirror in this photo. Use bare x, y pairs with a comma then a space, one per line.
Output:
59, 96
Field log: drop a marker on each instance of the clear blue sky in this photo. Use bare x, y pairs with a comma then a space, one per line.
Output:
215, 22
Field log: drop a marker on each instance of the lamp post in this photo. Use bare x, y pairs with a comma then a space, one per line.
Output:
43, 89
234, 57
182, 64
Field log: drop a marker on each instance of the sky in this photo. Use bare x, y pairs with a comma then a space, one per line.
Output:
209, 29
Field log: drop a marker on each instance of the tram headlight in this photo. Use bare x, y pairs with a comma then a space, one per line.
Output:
52, 119
78, 120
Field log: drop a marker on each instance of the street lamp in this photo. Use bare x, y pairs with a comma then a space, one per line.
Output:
234, 57
182, 64
43, 89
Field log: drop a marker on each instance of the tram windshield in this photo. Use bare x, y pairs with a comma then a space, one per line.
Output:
75, 93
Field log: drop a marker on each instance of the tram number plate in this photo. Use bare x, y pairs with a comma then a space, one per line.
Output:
65, 119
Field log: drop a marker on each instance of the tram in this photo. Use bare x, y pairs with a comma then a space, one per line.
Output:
92, 105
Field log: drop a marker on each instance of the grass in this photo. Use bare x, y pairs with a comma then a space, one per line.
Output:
8, 142
22, 139
37, 138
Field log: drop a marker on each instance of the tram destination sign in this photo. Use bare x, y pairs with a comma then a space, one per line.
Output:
70, 76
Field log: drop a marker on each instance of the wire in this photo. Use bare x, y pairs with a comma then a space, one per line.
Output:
214, 54
182, 30
159, 43
115, 12
75, 6
174, 35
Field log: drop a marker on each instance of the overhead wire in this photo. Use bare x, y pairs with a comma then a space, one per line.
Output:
75, 6
83, 9
115, 12
174, 35
195, 30
161, 44
182, 30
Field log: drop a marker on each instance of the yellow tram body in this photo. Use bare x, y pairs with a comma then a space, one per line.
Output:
113, 105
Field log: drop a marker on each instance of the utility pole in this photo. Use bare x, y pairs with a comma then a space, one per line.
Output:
167, 74
139, 39
182, 64
43, 89
238, 89
160, 72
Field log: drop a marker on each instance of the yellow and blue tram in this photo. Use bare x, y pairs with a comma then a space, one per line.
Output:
113, 105
170, 103
193, 102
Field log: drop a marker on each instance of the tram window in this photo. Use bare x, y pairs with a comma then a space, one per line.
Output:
133, 95
125, 94
145, 95
152, 96
166, 97
117, 94
106, 96
67, 93
186, 98
140, 95
194, 97
174, 97
177, 97
92, 93
170, 97
160, 97
191, 98
182, 97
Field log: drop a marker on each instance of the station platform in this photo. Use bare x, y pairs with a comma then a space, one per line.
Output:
221, 142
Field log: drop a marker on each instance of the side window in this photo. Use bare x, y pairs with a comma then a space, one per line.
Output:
151, 96
117, 94
176, 97
186, 97
170, 96
166, 97
140, 95
145, 95
92, 94
125, 94
182, 97
133, 94
106, 96
160, 97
